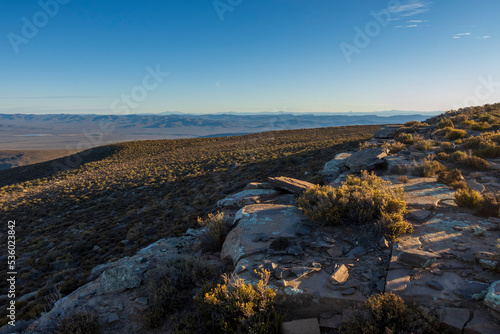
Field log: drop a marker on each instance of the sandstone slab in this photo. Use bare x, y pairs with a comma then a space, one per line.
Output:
366, 159
289, 184
260, 219
303, 326
247, 197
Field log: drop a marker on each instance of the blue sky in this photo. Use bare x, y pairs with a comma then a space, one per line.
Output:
88, 56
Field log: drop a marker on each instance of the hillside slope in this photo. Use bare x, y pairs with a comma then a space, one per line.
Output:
106, 203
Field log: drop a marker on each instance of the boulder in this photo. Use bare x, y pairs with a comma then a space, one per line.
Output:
417, 258
366, 159
387, 132
335, 167
289, 184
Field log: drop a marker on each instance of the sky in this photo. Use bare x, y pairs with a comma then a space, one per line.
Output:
205, 56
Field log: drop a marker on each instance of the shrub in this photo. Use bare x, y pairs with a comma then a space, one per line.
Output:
447, 146
477, 163
238, 307
422, 145
394, 147
217, 228
481, 126
445, 123
405, 138
403, 179
489, 207
431, 167
468, 198
453, 178
415, 124
443, 131
388, 313
172, 287
364, 199
456, 134
80, 323
442, 156
459, 155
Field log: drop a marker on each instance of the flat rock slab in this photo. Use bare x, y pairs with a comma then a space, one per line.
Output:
260, 220
424, 193
438, 264
387, 132
454, 319
289, 184
366, 159
303, 326
247, 197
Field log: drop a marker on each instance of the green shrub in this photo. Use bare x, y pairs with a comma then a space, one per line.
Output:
468, 198
388, 313
489, 206
453, 178
422, 145
217, 228
447, 146
456, 134
445, 123
172, 288
477, 163
394, 147
442, 156
361, 200
403, 179
431, 167
459, 155
239, 307
443, 131
481, 126
80, 323
411, 124
405, 138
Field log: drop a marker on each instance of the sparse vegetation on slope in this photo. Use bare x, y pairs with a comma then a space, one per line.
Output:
120, 198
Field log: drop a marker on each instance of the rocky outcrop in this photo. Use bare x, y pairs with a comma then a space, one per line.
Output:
366, 159
387, 132
119, 293
335, 167
289, 184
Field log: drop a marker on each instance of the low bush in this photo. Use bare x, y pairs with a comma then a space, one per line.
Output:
489, 206
360, 200
388, 313
405, 138
447, 146
443, 132
239, 307
423, 145
468, 198
394, 147
481, 126
477, 163
403, 179
459, 155
217, 228
453, 178
80, 323
456, 134
430, 167
172, 287
445, 123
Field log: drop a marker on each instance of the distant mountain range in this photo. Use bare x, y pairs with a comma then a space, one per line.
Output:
60, 131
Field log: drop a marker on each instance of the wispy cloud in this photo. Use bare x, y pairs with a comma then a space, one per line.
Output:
411, 7
469, 35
